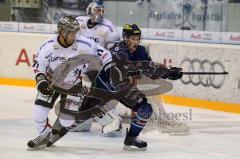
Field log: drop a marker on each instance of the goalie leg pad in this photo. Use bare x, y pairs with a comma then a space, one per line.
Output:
170, 126
83, 126
111, 122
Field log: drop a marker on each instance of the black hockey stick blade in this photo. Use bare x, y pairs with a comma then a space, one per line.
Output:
205, 73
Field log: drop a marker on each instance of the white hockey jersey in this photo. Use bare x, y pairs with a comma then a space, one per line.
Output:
51, 54
101, 33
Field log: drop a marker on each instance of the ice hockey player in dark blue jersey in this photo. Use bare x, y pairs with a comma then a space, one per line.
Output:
130, 45
128, 54
137, 55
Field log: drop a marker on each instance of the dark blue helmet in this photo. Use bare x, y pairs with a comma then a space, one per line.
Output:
129, 30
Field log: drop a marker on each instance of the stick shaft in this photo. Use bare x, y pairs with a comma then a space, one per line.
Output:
205, 73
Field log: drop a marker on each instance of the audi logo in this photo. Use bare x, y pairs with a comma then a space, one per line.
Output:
197, 65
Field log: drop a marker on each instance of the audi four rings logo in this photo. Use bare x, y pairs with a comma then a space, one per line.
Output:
197, 65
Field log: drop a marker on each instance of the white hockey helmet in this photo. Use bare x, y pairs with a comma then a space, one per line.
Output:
96, 8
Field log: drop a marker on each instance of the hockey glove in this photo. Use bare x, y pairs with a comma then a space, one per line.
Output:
43, 85
157, 72
174, 73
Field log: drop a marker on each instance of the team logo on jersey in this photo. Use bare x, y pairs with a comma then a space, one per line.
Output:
76, 75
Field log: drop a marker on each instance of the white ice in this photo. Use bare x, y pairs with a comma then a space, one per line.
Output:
214, 135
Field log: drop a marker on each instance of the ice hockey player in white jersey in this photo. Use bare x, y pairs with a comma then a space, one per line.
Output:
102, 31
58, 50
96, 27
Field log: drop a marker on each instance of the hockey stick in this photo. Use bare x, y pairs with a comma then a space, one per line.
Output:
205, 73
138, 72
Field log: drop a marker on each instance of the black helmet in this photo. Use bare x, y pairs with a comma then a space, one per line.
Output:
68, 23
129, 30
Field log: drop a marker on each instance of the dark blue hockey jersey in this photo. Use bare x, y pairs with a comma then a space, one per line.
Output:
141, 54
122, 57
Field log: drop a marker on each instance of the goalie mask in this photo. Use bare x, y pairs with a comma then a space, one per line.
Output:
96, 9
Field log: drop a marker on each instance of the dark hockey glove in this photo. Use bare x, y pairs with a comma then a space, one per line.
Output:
43, 85
174, 73
157, 71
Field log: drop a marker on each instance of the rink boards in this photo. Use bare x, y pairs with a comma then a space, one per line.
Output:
218, 92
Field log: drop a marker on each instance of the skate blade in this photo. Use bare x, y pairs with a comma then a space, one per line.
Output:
43, 146
133, 148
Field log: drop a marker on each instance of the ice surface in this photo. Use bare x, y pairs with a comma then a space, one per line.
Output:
214, 135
